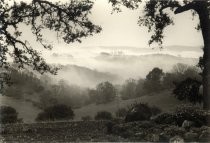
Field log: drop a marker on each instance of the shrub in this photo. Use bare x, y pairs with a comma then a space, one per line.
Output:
121, 113
8, 115
188, 90
165, 118
190, 113
86, 118
103, 115
182, 113
138, 112
56, 112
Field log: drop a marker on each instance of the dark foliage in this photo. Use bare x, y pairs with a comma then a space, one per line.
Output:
103, 115
165, 118
57, 112
8, 115
23, 82
70, 20
190, 113
121, 113
153, 82
188, 90
105, 92
140, 112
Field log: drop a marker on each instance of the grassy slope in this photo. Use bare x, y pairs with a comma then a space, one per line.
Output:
164, 100
28, 112
25, 109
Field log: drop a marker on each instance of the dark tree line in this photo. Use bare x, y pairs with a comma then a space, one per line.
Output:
157, 80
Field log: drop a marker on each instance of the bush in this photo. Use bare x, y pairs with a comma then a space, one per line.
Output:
86, 118
8, 115
138, 112
121, 113
188, 90
56, 112
165, 118
191, 113
182, 113
103, 115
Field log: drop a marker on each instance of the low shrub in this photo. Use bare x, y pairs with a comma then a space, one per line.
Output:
191, 113
140, 112
8, 115
56, 112
184, 112
121, 113
103, 115
165, 118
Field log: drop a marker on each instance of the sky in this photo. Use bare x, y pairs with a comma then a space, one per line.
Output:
121, 30
122, 47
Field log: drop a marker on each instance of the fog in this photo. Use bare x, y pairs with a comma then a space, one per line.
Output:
116, 64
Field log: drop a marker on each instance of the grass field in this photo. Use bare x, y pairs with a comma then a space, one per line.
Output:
164, 100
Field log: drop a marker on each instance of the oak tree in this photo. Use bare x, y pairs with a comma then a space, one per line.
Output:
156, 19
70, 20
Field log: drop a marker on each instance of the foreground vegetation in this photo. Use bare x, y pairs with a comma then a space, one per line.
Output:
138, 122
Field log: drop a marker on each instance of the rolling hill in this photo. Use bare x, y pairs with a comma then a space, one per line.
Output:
164, 100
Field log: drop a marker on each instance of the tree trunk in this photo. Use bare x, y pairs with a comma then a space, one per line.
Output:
205, 27
206, 76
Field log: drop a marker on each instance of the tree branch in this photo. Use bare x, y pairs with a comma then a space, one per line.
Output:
172, 5
184, 8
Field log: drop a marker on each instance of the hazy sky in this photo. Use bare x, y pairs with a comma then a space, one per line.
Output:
121, 34
121, 29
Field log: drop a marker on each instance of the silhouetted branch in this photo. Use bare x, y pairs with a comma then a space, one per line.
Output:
184, 8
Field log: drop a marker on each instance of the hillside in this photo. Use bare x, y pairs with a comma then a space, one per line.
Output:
83, 76
165, 101
28, 112
140, 65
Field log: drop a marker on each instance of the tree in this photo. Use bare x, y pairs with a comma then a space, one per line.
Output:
179, 73
188, 90
70, 21
155, 75
153, 80
105, 92
156, 19
56, 112
129, 89
8, 115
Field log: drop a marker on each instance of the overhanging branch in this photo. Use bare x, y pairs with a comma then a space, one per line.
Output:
184, 8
